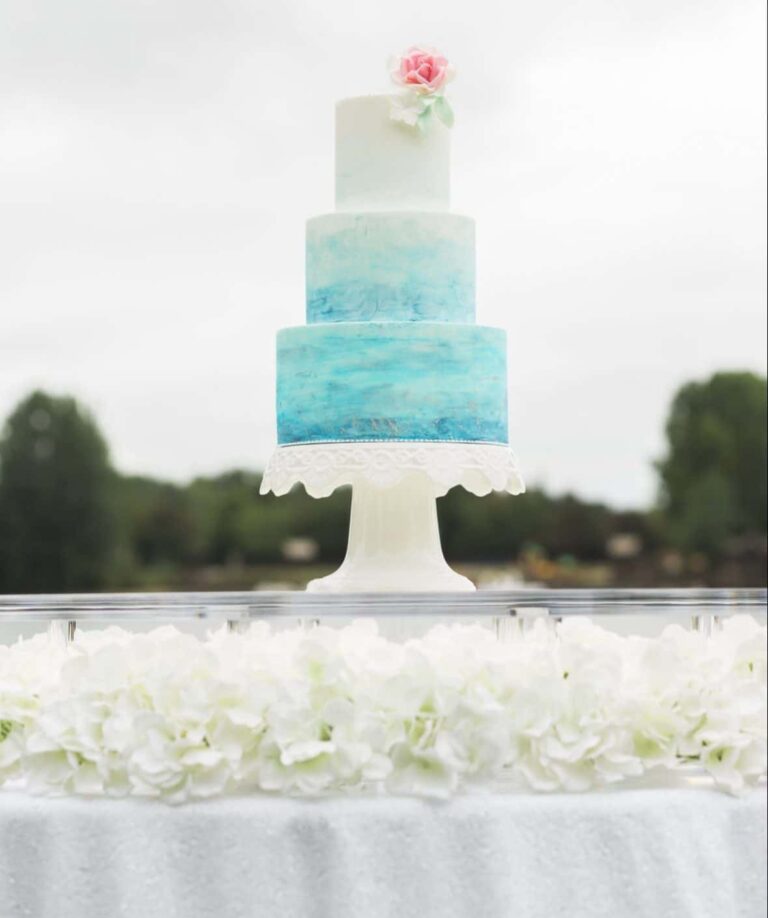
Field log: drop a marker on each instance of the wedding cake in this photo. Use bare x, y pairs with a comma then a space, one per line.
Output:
391, 351
390, 387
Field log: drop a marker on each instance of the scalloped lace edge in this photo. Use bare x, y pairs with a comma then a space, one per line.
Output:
322, 467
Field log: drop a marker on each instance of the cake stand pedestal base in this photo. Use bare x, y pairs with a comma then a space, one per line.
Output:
394, 540
394, 543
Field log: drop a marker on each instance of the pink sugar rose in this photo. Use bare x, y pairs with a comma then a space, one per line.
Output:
421, 74
422, 69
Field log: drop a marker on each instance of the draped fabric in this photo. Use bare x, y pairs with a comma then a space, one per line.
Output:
661, 852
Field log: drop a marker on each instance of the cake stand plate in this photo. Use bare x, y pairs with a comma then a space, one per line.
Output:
394, 539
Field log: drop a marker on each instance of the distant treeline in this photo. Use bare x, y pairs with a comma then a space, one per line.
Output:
224, 519
69, 521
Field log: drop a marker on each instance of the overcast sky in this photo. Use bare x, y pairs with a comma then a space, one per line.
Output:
158, 159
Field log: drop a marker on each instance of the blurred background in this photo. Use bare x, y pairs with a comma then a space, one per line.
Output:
157, 163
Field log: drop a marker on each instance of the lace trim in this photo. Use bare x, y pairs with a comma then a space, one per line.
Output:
322, 467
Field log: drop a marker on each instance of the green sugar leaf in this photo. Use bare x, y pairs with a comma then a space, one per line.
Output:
424, 119
444, 111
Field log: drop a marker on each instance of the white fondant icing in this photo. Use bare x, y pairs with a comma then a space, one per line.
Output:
382, 164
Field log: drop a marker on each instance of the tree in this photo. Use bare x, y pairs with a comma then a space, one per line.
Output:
713, 479
56, 521
156, 524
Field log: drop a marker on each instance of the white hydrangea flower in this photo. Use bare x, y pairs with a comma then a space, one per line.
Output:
167, 715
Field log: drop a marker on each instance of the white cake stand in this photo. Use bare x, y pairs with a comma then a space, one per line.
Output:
394, 540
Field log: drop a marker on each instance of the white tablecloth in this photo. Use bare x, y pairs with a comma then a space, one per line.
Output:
666, 853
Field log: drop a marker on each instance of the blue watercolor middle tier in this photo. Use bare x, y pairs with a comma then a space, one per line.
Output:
391, 267
391, 381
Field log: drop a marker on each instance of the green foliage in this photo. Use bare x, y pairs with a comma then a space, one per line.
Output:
714, 475
499, 527
235, 523
156, 518
57, 525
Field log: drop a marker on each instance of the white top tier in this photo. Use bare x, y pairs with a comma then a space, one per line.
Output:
383, 164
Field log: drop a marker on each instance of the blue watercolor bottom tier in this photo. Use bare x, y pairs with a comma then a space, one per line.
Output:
391, 381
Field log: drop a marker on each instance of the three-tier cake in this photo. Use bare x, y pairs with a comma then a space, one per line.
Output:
391, 350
